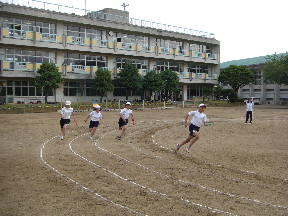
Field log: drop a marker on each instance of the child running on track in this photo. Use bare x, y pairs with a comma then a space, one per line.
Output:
123, 120
249, 110
66, 113
95, 117
198, 119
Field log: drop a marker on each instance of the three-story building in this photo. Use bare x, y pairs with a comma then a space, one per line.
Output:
79, 45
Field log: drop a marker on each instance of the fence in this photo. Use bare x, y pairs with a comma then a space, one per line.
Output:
100, 15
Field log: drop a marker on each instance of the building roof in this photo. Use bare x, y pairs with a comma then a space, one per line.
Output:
248, 61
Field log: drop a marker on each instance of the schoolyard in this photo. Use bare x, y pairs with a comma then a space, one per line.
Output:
234, 168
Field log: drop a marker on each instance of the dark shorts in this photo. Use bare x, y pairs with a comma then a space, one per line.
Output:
64, 122
122, 122
93, 124
193, 128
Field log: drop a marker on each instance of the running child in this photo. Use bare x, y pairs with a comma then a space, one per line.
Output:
198, 119
249, 110
123, 120
95, 117
66, 113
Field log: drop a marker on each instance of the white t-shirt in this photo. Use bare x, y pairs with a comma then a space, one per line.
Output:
249, 106
66, 112
95, 116
125, 113
198, 118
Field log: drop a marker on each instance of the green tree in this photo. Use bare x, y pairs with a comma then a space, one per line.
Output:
48, 77
276, 69
103, 82
152, 81
236, 77
129, 78
170, 83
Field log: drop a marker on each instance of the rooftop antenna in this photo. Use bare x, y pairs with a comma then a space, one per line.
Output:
124, 5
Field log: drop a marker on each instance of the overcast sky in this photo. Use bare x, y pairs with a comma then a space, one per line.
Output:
245, 28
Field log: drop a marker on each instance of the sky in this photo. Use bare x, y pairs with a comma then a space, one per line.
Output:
245, 28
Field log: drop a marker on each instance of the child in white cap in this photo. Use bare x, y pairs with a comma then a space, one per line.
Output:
249, 110
198, 119
66, 113
95, 117
123, 120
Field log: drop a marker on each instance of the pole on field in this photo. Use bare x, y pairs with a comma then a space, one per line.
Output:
164, 104
143, 104
106, 104
183, 104
119, 105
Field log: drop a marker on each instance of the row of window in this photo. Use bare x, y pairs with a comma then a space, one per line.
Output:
267, 90
19, 27
29, 56
20, 88
19, 58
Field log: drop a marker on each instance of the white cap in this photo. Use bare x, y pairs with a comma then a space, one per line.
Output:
97, 107
202, 105
67, 103
128, 103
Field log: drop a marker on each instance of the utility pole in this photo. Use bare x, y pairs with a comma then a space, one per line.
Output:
124, 5
85, 7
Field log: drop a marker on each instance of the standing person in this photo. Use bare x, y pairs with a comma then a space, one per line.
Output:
66, 113
249, 110
95, 117
198, 119
123, 120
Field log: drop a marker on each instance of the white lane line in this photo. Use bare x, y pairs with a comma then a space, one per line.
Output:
207, 188
226, 193
214, 210
79, 184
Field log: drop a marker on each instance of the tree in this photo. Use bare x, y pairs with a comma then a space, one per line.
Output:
236, 77
170, 83
129, 78
49, 78
152, 81
276, 69
103, 82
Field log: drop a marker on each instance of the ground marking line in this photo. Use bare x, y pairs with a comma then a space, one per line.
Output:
214, 210
218, 165
78, 183
194, 184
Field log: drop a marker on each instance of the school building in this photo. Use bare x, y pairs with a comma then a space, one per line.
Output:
80, 44
262, 91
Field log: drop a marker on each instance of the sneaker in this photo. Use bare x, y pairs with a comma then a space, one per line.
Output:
245, 123
118, 137
187, 150
250, 122
177, 147
91, 138
62, 137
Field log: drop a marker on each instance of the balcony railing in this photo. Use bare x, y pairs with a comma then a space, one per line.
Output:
100, 15
88, 42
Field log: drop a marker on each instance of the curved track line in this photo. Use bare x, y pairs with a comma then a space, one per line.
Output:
247, 172
213, 210
79, 184
207, 188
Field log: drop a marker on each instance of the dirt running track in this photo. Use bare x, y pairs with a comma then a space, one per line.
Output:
234, 169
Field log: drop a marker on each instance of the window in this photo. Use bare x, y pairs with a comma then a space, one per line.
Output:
139, 64
79, 61
269, 90
163, 65
245, 90
20, 59
257, 90
79, 88
198, 68
283, 89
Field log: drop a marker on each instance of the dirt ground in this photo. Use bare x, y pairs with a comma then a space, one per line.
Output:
234, 169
